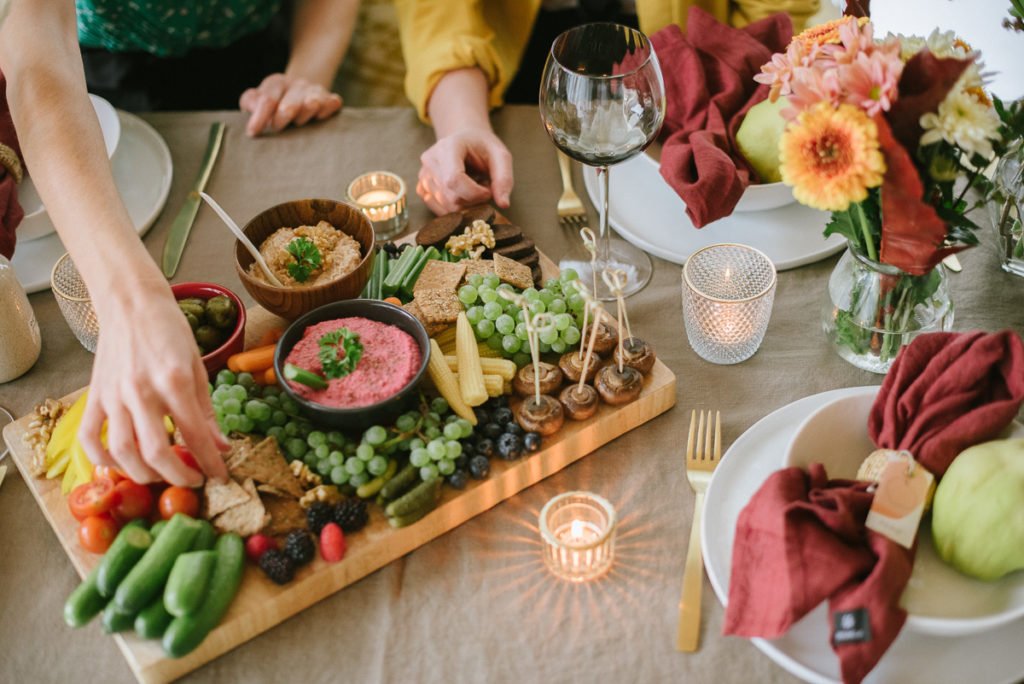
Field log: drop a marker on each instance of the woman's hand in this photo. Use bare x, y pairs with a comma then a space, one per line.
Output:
147, 367
283, 99
468, 167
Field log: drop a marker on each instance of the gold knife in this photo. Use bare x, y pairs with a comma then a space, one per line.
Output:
182, 226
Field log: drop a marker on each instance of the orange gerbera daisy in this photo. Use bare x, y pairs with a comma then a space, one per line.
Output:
831, 156
825, 34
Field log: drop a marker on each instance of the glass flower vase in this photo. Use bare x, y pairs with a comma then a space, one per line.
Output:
873, 309
1007, 209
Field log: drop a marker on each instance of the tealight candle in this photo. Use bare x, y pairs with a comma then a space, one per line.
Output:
578, 533
380, 195
728, 291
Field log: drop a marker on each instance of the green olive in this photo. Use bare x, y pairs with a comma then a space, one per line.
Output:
208, 337
193, 306
193, 322
221, 312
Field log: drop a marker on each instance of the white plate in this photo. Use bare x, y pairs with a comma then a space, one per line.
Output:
35, 224
142, 170
992, 657
646, 211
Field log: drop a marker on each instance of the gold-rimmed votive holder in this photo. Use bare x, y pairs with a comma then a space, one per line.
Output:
381, 196
728, 291
73, 299
577, 531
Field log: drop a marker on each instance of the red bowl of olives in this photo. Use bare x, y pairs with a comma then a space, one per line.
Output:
217, 318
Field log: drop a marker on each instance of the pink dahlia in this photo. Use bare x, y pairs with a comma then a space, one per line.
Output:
871, 81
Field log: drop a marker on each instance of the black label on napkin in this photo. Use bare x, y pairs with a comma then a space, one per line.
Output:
851, 627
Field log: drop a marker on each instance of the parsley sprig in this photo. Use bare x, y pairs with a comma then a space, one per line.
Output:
344, 340
307, 258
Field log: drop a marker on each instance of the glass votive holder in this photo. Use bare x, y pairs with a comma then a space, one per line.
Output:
381, 197
73, 299
728, 291
577, 530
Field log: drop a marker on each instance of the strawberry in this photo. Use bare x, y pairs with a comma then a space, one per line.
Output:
332, 543
257, 545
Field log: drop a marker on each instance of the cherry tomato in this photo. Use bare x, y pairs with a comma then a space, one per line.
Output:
186, 456
96, 533
108, 473
92, 498
134, 501
178, 500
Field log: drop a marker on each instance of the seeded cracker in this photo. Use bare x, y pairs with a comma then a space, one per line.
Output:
285, 515
439, 306
265, 464
245, 519
512, 272
479, 266
439, 275
432, 328
220, 497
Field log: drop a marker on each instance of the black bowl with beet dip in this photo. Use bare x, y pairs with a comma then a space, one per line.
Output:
387, 401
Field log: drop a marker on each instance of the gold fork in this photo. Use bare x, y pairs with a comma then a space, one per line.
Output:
700, 463
571, 212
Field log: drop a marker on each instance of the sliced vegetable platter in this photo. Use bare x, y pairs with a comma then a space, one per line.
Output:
260, 604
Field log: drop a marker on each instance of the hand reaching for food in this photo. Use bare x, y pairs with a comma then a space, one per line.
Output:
464, 169
147, 369
283, 99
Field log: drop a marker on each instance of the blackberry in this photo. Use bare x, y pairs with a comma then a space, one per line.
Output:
502, 416
479, 467
318, 515
458, 479
277, 566
351, 515
510, 446
299, 547
531, 441
485, 447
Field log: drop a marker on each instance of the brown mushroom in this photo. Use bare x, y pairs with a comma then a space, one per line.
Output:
550, 379
607, 337
571, 364
580, 401
636, 353
545, 418
619, 388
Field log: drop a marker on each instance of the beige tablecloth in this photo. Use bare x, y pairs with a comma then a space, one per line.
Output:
477, 604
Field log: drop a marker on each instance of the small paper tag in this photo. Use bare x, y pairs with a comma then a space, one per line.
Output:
899, 499
851, 627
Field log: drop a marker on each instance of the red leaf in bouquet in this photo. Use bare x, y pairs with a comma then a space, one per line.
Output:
858, 8
912, 231
925, 81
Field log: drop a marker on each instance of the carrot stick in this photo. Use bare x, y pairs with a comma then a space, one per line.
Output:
252, 360
393, 300
270, 377
270, 337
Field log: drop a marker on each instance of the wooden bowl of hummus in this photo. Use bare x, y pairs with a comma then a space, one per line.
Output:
330, 260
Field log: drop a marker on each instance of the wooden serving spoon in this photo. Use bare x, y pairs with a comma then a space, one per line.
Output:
230, 223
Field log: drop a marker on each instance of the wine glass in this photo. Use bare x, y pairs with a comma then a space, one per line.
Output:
602, 101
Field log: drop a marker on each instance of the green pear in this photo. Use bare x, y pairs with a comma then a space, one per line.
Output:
758, 138
978, 512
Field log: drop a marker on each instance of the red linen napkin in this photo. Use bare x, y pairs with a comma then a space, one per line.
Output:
10, 209
709, 86
802, 539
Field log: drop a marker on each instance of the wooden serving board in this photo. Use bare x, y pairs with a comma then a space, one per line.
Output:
260, 604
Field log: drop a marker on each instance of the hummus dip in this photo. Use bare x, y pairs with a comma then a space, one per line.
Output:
390, 360
340, 254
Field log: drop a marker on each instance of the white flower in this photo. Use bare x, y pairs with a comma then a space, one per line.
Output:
963, 120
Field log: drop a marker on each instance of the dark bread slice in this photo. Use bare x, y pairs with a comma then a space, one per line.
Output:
535, 272
506, 234
523, 248
481, 212
530, 260
437, 232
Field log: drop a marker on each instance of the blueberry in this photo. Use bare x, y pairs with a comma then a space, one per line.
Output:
510, 447
482, 416
500, 402
531, 441
479, 467
502, 416
485, 447
514, 429
458, 479
462, 462
493, 430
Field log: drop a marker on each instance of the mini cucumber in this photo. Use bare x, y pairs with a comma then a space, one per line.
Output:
423, 494
405, 520
153, 620
397, 485
371, 488
186, 586
116, 621
205, 537
157, 528
187, 632
398, 270
84, 603
410, 278
146, 579
129, 546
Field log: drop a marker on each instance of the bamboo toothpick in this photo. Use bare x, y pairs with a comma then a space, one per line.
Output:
588, 344
615, 279
535, 324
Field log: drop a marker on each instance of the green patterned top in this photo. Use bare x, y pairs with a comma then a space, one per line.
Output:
169, 27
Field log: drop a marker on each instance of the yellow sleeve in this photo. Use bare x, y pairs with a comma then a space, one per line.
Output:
748, 11
656, 14
439, 36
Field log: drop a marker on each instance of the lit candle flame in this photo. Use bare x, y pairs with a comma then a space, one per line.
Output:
576, 530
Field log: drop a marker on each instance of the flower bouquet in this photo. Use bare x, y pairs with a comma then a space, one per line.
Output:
889, 135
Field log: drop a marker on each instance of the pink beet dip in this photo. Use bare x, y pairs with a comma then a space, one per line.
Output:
390, 360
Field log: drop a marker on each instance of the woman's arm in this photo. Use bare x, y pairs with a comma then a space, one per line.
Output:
321, 32
146, 365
